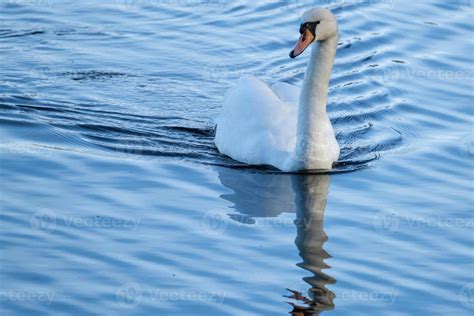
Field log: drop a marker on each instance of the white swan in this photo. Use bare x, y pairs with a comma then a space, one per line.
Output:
262, 125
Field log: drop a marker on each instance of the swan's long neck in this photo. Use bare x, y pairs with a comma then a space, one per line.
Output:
312, 117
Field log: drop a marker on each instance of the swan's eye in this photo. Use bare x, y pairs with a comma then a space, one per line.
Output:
311, 26
302, 28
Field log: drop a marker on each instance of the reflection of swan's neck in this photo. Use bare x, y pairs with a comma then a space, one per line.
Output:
312, 117
311, 196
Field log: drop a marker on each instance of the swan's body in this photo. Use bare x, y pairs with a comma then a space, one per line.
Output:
282, 125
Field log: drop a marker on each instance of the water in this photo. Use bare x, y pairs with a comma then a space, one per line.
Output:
115, 201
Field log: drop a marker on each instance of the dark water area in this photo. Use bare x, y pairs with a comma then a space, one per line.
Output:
114, 199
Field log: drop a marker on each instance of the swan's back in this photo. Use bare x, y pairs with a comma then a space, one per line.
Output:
258, 126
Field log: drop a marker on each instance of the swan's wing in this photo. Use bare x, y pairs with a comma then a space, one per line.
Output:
255, 126
287, 92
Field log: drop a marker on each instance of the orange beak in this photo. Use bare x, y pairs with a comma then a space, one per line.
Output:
303, 42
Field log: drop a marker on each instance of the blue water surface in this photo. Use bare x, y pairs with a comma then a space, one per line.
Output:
115, 201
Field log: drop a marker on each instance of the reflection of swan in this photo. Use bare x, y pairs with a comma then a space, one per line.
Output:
269, 195
257, 194
262, 125
311, 193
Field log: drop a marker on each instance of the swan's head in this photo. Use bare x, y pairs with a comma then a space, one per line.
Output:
317, 24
